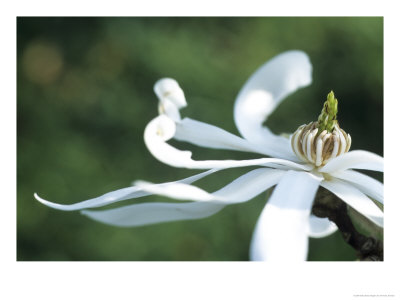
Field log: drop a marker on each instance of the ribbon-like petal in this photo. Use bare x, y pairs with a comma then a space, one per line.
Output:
281, 233
153, 213
116, 196
162, 128
355, 198
206, 135
356, 159
241, 189
264, 90
320, 227
369, 186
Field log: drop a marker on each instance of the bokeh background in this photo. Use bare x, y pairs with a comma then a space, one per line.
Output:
85, 95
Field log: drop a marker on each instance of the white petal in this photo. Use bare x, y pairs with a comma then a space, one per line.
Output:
162, 128
168, 88
241, 189
171, 97
250, 185
356, 199
153, 213
264, 90
115, 196
206, 135
357, 159
282, 230
168, 108
369, 186
320, 227
178, 191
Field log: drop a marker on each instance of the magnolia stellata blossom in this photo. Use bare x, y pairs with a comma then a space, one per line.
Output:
316, 155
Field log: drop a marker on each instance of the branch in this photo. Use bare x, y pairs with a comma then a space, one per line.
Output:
327, 205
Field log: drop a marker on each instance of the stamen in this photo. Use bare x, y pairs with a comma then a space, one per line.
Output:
342, 143
335, 145
327, 143
295, 143
318, 160
304, 142
318, 142
319, 145
310, 141
348, 141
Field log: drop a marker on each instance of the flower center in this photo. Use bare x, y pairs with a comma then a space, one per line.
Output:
318, 142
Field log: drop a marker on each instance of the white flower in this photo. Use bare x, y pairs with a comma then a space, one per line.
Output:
286, 223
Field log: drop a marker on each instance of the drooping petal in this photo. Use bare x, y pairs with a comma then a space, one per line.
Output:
369, 186
264, 90
241, 189
282, 229
320, 227
162, 128
206, 135
118, 195
355, 198
356, 159
153, 213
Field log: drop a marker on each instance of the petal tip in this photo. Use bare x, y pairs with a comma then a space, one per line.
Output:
168, 88
38, 198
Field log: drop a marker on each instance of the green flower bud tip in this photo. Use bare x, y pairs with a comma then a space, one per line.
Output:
327, 118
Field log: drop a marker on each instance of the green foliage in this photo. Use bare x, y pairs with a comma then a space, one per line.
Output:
85, 95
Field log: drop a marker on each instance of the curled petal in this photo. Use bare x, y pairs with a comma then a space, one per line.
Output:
153, 213
356, 199
282, 229
171, 98
357, 159
162, 128
206, 135
369, 186
242, 189
168, 88
168, 108
115, 196
264, 90
320, 227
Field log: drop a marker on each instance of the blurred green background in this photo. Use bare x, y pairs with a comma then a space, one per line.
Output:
85, 95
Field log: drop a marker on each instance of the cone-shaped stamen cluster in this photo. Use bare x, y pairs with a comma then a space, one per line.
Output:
320, 141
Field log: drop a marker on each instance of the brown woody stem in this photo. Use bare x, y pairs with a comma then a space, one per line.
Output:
327, 205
